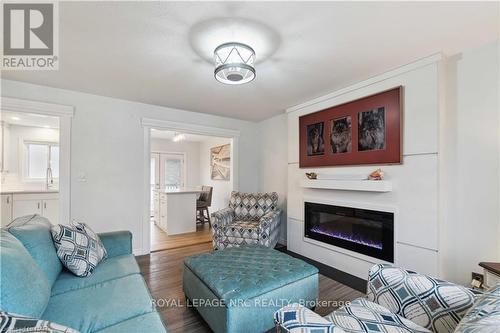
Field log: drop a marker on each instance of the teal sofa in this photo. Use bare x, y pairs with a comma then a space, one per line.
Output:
34, 283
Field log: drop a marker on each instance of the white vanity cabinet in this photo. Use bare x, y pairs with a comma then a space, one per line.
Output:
6, 207
44, 204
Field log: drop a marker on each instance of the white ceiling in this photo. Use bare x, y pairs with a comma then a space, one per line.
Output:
29, 119
158, 52
169, 135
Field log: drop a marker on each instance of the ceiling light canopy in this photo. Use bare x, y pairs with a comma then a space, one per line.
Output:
234, 63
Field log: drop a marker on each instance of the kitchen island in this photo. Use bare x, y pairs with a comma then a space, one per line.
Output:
177, 210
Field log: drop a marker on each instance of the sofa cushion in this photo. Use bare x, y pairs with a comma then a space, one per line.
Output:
431, 303
24, 287
362, 315
78, 247
16, 323
101, 305
111, 268
484, 316
247, 271
150, 323
35, 235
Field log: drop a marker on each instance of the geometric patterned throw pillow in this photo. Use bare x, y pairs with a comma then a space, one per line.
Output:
14, 323
484, 316
429, 302
361, 315
78, 247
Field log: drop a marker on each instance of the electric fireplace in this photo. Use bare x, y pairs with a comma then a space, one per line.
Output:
364, 231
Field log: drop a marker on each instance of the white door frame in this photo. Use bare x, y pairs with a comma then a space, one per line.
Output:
166, 125
65, 114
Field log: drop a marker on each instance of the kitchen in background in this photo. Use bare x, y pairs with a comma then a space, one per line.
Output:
29, 166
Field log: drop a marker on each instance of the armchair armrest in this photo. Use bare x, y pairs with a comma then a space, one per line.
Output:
410, 294
117, 243
271, 217
222, 217
295, 318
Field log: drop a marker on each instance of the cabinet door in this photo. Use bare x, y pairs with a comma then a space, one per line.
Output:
51, 210
6, 207
22, 207
163, 212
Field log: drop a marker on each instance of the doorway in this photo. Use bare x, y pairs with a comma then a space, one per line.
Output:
35, 156
180, 159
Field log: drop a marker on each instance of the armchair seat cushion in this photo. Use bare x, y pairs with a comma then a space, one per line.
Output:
243, 229
365, 316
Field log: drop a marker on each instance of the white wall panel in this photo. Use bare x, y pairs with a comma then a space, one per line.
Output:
415, 181
417, 259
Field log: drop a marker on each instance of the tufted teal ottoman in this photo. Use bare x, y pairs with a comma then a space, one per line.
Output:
238, 289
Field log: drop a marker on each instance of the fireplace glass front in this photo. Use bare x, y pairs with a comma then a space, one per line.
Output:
364, 231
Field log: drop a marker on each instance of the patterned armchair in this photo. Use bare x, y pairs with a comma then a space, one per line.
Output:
251, 218
401, 301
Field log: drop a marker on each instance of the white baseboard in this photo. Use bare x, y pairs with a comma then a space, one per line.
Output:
140, 252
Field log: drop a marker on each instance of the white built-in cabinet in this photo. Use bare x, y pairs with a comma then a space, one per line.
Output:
17, 205
6, 207
162, 212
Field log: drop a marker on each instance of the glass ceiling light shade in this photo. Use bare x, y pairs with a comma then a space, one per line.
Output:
234, 63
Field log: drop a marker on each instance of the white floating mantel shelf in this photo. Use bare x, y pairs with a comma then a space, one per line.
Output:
349, 185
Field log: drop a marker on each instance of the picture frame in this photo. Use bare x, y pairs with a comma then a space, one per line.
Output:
361, 132
220, 162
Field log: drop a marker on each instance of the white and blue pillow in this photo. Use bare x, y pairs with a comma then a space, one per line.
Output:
16, 323
78, 247
484, 316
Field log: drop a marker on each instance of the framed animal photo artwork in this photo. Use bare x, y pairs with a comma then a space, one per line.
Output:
364, 131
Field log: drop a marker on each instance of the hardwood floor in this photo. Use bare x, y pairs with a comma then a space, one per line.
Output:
163, 274
161, 241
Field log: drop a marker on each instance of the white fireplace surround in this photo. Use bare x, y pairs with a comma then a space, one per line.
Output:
360, 205
410, 189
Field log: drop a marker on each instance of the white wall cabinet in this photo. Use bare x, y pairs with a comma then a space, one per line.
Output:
6, 207
44, 204
4, 144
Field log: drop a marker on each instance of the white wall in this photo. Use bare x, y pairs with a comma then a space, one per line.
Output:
221, 188
13, 179
415, 182
471, 221
107, 146
447, 189
273, 144
192, 151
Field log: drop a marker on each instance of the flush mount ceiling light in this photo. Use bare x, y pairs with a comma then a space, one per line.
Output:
178, 137
234, 63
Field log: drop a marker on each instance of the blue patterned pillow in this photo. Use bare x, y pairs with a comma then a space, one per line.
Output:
361, 315
431, 303
78, 247
13, 323
484, 316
